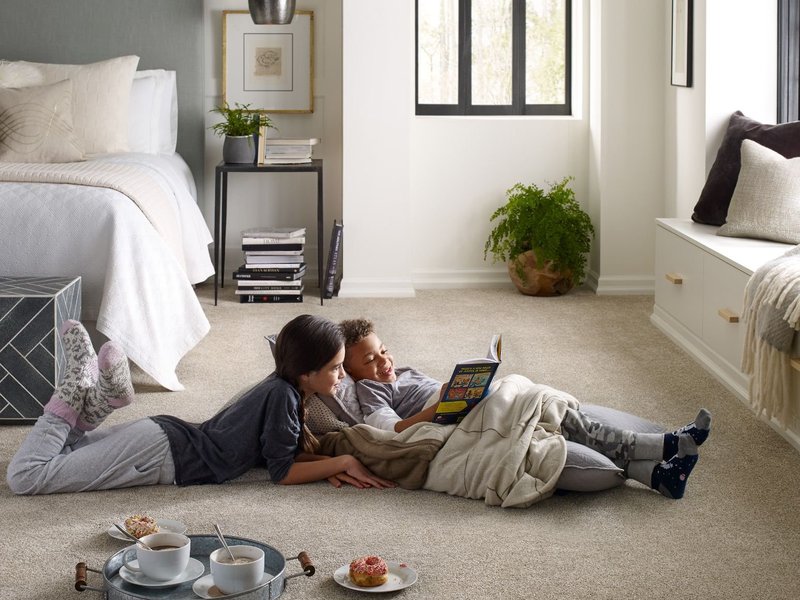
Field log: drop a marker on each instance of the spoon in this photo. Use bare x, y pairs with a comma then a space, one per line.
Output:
224, 543
133, 537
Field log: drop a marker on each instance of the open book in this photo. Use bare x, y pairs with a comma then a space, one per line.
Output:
468, 385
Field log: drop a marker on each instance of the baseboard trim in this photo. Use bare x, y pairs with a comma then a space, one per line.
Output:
365, 287
642, 285
460, 278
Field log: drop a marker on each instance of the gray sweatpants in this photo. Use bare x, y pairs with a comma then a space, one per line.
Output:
54, 458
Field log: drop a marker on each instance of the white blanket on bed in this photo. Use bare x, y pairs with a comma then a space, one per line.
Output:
133, 284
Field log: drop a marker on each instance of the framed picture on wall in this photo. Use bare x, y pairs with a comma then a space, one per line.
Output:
682, 11
269, 67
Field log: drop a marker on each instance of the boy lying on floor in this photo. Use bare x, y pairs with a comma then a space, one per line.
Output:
395, 399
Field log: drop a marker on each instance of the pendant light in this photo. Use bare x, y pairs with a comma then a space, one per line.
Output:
271, 12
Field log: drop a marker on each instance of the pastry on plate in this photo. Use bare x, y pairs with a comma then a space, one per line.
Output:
369, 571
141, 525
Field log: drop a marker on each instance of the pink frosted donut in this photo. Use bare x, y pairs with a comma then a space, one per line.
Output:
369, 571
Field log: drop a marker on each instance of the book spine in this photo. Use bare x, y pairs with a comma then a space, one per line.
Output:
260, 288
269, 298
333, 260
270, 247
269, 241
265, 268
277, 276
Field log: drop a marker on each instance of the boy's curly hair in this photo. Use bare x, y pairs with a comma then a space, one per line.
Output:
355, 330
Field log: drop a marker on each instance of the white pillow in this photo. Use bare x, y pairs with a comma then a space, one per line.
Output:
36, 124
162, 118
141, 122
16, 75
766, 202
100, 99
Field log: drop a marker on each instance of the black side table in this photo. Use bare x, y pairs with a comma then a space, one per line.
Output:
221, 210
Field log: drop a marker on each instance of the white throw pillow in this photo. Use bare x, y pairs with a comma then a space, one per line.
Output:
163, 118
100, 98
766, 201
141, 119
16, 75
36, 124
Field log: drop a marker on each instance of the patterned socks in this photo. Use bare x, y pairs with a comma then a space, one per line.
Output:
698, 430
669, 477
113, 389
93, 385
80, 373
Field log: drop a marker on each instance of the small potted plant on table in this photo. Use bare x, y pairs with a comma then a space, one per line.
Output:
240, 126
543, 237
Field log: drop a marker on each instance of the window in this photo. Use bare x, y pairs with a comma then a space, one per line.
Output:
788, 60
493, 57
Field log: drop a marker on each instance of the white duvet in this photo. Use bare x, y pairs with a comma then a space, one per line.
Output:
133, 284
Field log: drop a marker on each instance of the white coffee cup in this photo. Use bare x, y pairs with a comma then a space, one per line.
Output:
240, 576
168, 557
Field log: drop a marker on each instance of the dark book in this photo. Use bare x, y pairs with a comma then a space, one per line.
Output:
269, 274
272, 247
268, 298
468, 385
331, 284
269, 291
294, 268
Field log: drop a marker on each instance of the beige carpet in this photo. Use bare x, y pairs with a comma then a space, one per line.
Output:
736, 533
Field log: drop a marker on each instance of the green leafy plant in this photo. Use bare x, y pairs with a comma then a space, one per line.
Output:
239, 120
551, 223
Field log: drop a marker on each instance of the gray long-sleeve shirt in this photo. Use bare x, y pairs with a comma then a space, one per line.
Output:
262, 428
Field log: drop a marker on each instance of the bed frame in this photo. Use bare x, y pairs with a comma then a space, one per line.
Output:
166, 35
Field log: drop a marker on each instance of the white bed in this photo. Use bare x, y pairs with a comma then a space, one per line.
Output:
138, 254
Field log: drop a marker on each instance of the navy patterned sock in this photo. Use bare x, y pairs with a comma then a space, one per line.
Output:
698, 429
669, 477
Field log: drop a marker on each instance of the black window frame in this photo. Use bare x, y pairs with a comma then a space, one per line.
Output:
788, 60
464, 106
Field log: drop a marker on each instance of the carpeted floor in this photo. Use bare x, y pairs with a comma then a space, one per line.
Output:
736, 533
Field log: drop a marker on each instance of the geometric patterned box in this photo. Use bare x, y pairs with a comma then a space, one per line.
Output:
31, 353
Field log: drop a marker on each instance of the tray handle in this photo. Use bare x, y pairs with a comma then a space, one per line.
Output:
305, 563
82, 579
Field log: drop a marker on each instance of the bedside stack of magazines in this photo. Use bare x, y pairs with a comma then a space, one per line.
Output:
285, 151
274, 265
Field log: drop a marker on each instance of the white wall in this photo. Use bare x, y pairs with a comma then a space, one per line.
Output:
735, 64
282, 199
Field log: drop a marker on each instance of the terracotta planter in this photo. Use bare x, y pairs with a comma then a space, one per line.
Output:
539, 281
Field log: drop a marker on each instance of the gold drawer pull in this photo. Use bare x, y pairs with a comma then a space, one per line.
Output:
675, 278
796, 363
728, 315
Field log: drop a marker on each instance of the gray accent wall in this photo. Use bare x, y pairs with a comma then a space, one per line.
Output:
165, 34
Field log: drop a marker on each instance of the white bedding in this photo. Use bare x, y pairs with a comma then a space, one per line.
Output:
133, 284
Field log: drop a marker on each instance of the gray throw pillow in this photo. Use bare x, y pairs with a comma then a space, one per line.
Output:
589, 471
766, 202
712, 206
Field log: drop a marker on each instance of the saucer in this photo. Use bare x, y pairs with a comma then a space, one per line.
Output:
193, 570
205, 588
164, 525
400, 576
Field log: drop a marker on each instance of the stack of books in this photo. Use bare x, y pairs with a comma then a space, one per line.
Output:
285, 151
274, 265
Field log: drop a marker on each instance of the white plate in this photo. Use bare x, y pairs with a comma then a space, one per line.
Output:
400, 577
205, 588
167, 525
193, 570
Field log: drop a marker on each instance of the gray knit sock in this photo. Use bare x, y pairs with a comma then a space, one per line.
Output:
113, 389
80, 374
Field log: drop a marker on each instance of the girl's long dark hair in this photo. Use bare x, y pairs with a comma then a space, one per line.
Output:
305, 344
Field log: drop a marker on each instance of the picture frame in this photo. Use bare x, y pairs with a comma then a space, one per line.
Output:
682, 36
269, 67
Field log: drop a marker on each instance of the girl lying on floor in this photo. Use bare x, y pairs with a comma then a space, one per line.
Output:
65, 452
397, 399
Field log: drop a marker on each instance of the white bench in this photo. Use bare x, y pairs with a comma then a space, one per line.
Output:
700, 279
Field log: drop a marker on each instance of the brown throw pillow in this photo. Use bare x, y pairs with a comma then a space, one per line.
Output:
712, 207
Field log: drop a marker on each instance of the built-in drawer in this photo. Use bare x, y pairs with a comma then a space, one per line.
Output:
723, 300
679, 279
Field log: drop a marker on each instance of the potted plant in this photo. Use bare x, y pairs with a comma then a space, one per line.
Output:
240, 126
543, 237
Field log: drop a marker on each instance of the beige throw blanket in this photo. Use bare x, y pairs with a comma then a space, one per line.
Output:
131, 181
508, 450
772, 317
